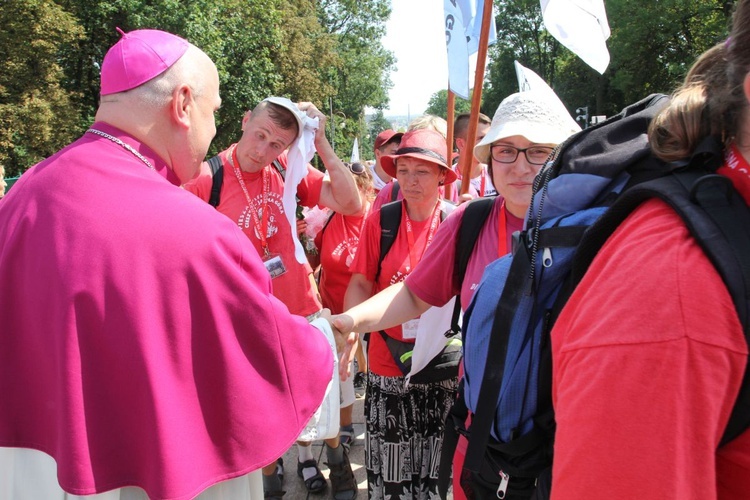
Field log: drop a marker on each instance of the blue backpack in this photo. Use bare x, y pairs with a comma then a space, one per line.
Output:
597, 177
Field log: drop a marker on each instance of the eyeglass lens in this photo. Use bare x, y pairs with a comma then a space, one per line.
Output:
535, 155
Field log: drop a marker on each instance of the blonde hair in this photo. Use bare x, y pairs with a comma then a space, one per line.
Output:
430, 122
711, 101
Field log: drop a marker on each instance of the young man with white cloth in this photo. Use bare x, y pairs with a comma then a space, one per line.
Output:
139, 331
258, 199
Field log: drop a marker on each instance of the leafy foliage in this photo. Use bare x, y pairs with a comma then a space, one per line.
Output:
37, 115
438, 104
327, 52
651, 47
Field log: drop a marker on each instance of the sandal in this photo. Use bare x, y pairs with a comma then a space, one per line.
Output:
343, 484
273, 495
315, 483
346, 436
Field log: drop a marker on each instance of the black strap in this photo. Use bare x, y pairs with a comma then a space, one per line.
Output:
475, 215
454, 427
217, 174
394, 190
390, 220
278, 166
484, 416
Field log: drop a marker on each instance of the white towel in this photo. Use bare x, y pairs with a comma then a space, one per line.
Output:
300, 153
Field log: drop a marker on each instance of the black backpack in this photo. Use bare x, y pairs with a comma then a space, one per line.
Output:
445, 365
596, 179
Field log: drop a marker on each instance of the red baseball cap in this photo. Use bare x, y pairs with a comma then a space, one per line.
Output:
138, 57
387, 136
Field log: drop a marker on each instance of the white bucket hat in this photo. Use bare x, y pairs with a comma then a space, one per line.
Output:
532, 115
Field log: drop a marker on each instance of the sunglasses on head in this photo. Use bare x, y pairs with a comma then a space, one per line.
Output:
356, 168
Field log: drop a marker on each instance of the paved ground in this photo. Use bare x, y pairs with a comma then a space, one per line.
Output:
293, 485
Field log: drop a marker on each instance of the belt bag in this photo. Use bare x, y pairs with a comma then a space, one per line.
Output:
444, 366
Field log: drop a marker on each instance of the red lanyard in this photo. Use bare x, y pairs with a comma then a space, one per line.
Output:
413, 258
502, 230
260, 227
483, 181
737, 169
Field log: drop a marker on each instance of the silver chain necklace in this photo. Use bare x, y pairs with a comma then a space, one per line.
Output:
126, 146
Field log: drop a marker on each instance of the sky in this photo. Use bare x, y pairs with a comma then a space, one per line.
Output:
416, 35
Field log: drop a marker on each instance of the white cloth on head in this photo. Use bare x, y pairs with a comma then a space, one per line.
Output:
300, 153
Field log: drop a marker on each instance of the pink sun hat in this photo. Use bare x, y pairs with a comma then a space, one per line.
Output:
138, 57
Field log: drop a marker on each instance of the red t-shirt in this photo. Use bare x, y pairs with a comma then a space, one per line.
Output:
395, 267
648, 356
338, 245
295, 287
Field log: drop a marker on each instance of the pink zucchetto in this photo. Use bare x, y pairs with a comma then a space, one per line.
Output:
138, 57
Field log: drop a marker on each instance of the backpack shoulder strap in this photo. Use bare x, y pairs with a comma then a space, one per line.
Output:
278, 166
390, 220
475, 215
719, 220
217, 173
394, 190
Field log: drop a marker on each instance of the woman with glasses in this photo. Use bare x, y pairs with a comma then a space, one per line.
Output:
524, 131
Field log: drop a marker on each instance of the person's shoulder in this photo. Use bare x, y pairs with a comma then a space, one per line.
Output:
648, 284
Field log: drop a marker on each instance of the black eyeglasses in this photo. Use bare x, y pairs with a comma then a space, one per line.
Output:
356, 168
536, 155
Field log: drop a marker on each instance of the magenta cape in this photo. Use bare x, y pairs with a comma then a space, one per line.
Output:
139, 340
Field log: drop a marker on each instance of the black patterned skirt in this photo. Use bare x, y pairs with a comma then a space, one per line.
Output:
404, 436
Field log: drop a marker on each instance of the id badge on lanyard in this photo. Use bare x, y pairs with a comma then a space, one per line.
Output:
274, 265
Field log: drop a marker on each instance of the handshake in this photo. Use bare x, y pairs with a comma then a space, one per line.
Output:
346, 340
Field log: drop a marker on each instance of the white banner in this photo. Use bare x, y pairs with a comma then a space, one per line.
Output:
463, 26
580, 25
355, 151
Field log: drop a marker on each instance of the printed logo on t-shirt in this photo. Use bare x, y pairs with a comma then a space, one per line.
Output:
350, 246
397, 278
275, 215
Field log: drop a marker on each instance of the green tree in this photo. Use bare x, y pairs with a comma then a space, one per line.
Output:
375, 124
239, 35
651, 47
361, 79
438, 105
37, 116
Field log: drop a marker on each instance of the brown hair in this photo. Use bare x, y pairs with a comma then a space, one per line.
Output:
461, 124
711, 101
279, 115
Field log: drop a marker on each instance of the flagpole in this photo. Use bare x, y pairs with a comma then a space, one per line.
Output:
449, 138
466, 160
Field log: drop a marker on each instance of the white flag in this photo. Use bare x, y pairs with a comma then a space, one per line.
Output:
463, 26
528, 81
580, 25
355, 151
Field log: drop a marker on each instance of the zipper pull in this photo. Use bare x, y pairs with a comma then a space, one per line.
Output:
503, 487
546, 257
